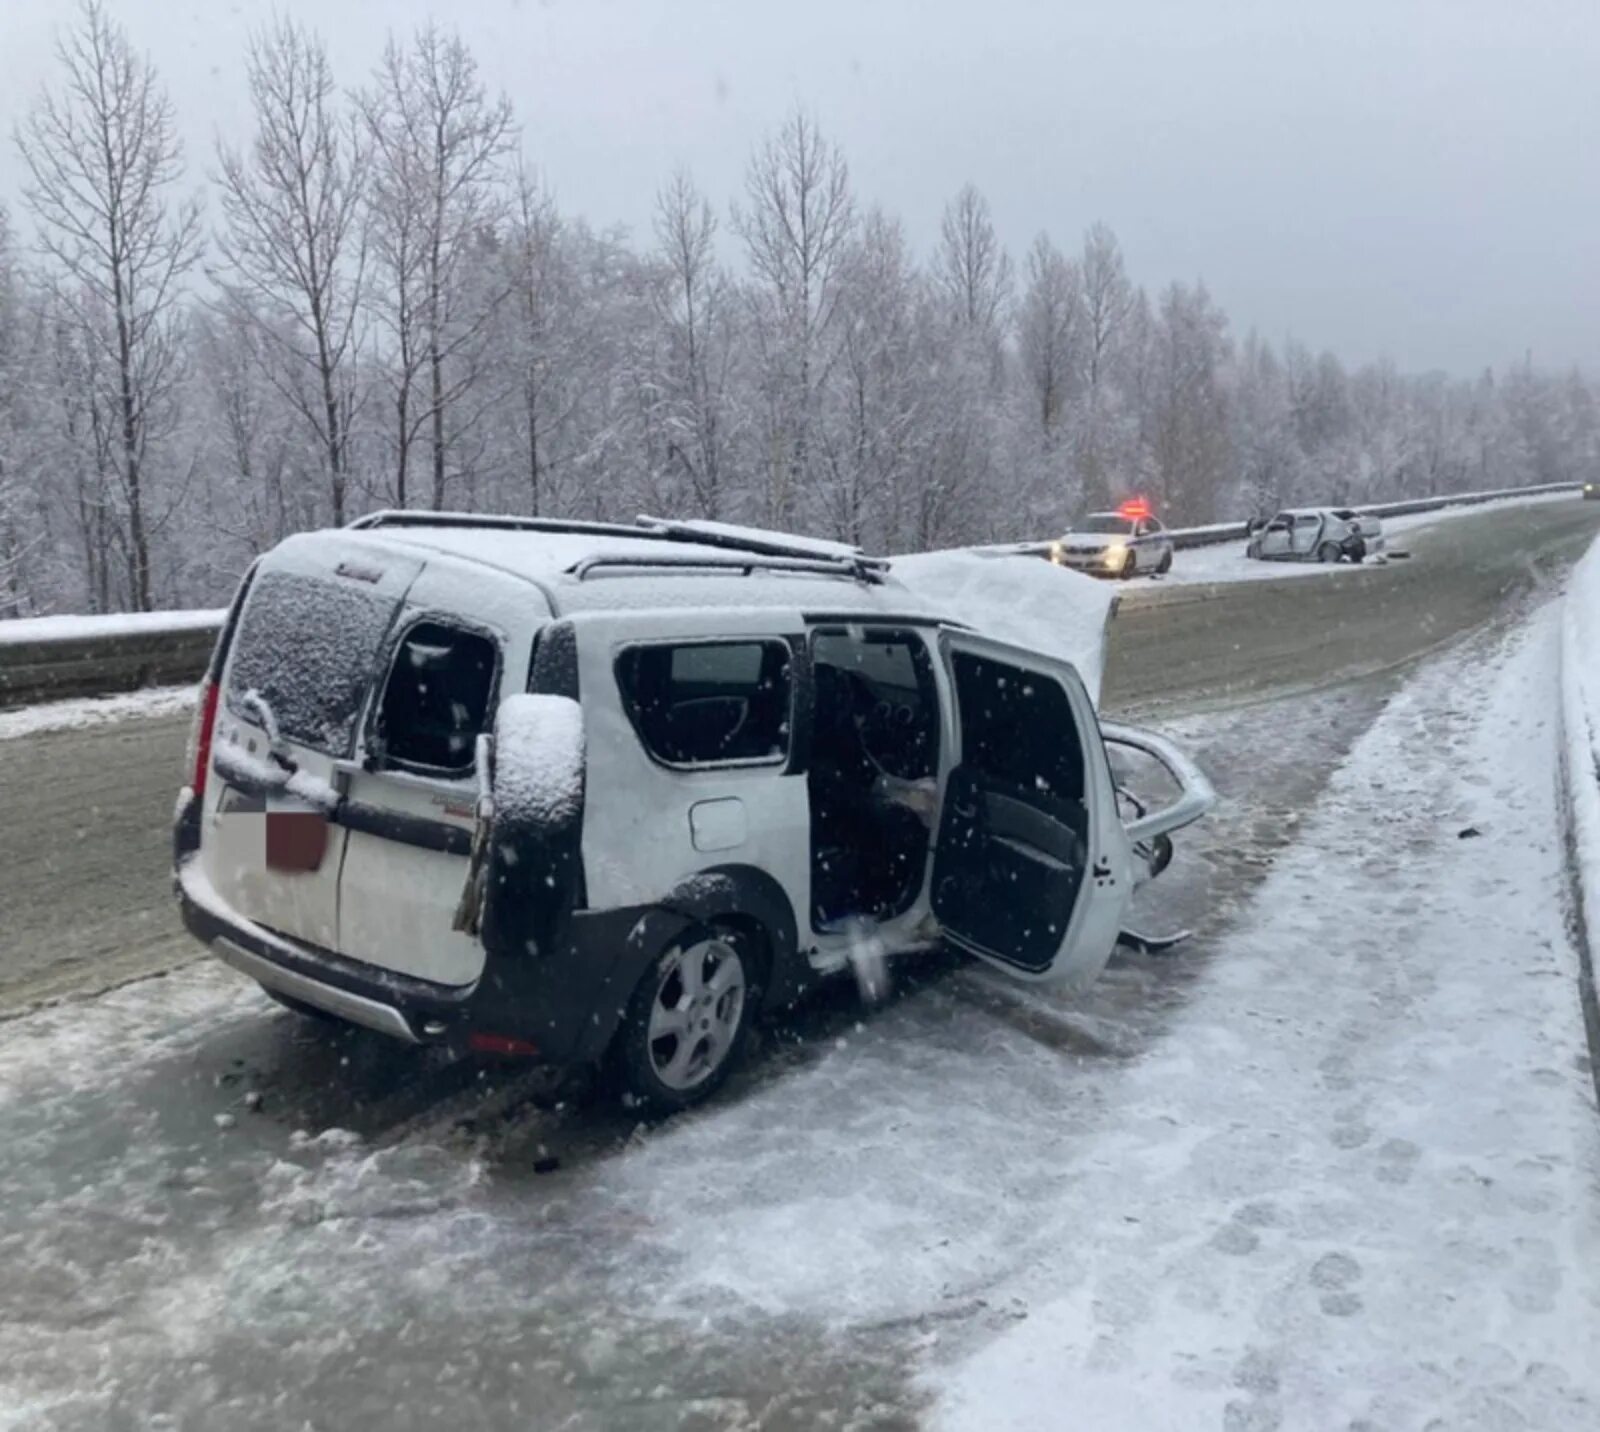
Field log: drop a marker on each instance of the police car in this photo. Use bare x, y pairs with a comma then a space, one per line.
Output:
1125, 543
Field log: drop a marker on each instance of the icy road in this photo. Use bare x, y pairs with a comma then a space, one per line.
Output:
1336, 1167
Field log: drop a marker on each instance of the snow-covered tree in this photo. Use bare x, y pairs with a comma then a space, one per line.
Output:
440, 150
291, 249
796, 221
103, 160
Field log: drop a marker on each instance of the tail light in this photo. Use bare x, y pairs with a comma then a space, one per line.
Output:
200, 739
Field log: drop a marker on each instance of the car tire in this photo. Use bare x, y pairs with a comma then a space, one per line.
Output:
1130, 566
1165, 564
682, 1035
1328, 553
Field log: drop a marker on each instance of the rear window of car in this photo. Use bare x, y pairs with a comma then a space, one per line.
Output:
437, 699
309, 647
709, 703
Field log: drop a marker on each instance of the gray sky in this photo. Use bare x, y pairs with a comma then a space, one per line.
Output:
1414, 178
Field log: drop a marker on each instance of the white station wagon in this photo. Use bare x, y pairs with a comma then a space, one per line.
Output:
590, 793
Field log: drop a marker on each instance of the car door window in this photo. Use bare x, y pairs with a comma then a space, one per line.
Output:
709, 703
437, 699
1018, 730
875, 691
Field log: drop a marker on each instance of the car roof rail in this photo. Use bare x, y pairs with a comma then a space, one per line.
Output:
607, 564
830, 558
411, 517
763, 543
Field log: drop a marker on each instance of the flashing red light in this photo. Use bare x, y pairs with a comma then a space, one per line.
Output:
1135, 508
205, 722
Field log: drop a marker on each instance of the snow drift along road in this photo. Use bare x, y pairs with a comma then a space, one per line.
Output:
1580, 692
1359, 1183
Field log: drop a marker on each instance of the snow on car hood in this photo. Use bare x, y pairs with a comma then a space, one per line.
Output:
1023, 600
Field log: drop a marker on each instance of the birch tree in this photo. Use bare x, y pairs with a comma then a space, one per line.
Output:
1099, 441
103, 160
1048, 327
972, 270
440, 148
796, 222
292, 249
12, 423
696, 318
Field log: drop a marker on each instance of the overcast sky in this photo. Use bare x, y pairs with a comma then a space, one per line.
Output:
1413, 178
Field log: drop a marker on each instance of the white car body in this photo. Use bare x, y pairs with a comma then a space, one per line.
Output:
346, 774
1114, 544
1318, 534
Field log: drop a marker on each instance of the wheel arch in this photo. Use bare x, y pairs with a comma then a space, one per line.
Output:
747, 897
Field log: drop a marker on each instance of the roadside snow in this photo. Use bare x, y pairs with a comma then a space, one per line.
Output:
1357, 1184
95, 711
73, 628
1580, 686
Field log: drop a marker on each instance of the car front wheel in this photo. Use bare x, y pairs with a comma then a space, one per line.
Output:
1328, 552
688, 1021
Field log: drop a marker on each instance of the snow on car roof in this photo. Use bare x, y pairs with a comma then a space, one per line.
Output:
1013, 598
637, 571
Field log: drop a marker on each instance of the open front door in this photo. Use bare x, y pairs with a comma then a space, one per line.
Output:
1032, 870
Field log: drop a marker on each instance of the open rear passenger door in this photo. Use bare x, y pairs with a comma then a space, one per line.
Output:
1032, 870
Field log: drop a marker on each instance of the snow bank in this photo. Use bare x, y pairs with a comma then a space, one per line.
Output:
1580, 689
76, 628
1020, 600
96, 711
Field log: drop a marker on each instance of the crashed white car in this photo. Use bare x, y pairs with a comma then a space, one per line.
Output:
583, 792
1317, 534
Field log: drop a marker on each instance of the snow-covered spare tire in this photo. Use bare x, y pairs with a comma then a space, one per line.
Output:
532, 863
538, 762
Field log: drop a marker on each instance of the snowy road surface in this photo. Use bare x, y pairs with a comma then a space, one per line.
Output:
1358, 1184
1352, 1123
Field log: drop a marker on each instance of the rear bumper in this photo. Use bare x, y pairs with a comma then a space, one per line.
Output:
409, 1009
565, 1000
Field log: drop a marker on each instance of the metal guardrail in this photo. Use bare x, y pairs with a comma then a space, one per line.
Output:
1185, 537
55, 668
82, 662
